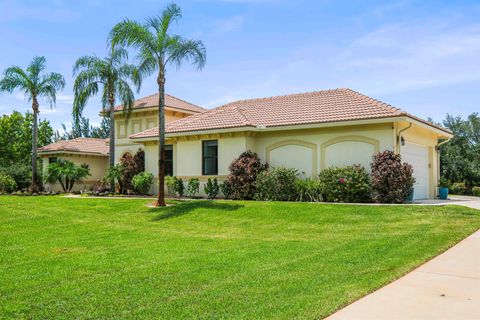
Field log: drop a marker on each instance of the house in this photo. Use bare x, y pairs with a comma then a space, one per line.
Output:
95, 152
88, 151
307, 131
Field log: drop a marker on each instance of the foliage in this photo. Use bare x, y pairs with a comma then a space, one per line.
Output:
158, 48
66, 173
211, 188
85, 130
170, 183
7, 183
131, 166
476, 191
309, 190
193, 187
115, 174
226, 189
345, 184
458, 188
142, 182
443, 183
314, 249
16, 138
459, 158
276, 184
243, 174
35, 83
392, 180
21, 173
179, 187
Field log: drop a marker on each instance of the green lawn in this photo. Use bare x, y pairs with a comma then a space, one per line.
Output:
116, 258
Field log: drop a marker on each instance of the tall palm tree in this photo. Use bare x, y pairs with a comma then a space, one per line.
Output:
35, 83
158, 48
114, 75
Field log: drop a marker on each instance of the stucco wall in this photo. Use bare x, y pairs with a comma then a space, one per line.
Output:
97, 164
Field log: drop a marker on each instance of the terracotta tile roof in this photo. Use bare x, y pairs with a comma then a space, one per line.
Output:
170, 101
81, 145
295, 109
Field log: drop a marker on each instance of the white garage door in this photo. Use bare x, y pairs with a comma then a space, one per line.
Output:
417, 156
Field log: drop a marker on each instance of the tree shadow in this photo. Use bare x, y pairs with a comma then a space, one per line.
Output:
186, 207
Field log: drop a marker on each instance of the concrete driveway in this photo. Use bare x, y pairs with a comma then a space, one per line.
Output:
446, 287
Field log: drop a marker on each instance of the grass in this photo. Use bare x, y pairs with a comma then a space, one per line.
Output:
116, 258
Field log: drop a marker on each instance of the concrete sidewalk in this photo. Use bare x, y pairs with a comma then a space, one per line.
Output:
446, 287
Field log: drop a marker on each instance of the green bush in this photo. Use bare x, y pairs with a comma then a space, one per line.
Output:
309, 190
226, 189
193, 187
170, 183
179, 187
22, 174
7, 183
345, 184
276, 184
458, 188
476, 191
142, 182
211, 188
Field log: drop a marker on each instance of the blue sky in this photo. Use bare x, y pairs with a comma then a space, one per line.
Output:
421, 56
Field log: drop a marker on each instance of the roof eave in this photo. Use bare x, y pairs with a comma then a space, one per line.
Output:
50, 152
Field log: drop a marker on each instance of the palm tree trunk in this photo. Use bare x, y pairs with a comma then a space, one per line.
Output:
161, 139
112, 142
34, 145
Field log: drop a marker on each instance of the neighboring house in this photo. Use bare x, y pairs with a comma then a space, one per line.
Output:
89, 151
306, 131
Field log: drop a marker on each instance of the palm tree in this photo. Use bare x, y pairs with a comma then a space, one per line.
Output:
157, 49
35, 83
114, 75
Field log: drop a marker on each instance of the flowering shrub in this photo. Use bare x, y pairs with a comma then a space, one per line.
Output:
243, 174
458, 188
276, 184
392, 180
131, 165
345, 184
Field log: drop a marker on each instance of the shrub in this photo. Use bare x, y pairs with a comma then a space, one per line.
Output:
345, 184
142, 182
114, 173
443, 183
392, 180
22, 175
243, 174
179, 187
131, 166
66, 173
309, 190
476, 191
276, 184
211, 188
226, 189
193, 187
170, 182
7, 183
458, 188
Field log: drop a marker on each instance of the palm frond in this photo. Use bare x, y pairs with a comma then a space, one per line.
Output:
129, 72
35, 67
148, 63
190, 50
81, 98
87, 62
126, 97
131, 33
15, 78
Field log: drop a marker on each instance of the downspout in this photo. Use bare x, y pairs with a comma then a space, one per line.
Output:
399, 137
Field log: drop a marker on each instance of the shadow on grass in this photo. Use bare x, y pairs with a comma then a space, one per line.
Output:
183, 208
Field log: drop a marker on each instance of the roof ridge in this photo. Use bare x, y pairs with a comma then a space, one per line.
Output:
174, 97
382, 104
284, 96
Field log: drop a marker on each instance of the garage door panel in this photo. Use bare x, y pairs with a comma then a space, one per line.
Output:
417, 156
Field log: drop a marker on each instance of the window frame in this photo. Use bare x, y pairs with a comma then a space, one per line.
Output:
166, 161
204, 157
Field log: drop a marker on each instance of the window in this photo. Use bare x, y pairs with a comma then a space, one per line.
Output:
210, 157
52, 160
169, 160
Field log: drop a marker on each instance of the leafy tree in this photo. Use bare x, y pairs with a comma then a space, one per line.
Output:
158, 48
460, 158
35, 83
114, 76
66, 173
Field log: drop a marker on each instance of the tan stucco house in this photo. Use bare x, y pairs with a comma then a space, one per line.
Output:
307, 131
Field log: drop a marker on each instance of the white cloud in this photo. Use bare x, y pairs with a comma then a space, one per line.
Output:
228, 25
